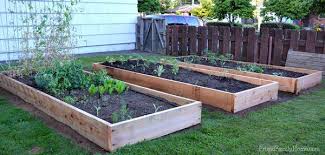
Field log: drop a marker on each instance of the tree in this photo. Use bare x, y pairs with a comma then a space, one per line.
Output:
232, 9
165, 5
205, 10
293, 9
149, 6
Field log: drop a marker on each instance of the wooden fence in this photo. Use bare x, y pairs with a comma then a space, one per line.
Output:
270, 46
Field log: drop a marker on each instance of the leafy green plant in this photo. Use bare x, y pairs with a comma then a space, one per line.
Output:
251, 68
93, 90
101, 91
121, 115
69, 99
99, 77
175, 68
120, 86
61, 76
109, 85
159, 70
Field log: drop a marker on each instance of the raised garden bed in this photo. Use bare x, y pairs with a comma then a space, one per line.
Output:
154, 113
230, 92
290, 79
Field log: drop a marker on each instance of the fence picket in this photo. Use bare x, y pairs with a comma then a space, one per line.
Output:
245, 44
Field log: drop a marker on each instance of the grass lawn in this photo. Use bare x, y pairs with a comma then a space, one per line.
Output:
299, 123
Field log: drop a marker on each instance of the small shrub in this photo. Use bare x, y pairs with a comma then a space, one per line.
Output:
280, 26
211, 23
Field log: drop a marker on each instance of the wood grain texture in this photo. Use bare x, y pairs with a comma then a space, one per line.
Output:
286, 84
106, 135
213, 97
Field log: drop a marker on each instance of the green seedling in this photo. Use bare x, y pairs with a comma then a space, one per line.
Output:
69, 99
160, 70
109, 86
93, 90
101, 90
156, 108
120, 86
121, 115
175, 69
97, 110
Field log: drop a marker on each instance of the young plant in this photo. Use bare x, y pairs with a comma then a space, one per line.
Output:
109, 86
101, 91
98, 108
175, 69
121, 115
278, 74
120, 86
159, 70
156, 108
69, 99
93, 90
255, 68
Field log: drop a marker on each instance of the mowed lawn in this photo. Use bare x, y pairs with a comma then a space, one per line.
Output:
297, 124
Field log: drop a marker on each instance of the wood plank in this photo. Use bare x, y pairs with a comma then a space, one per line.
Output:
183, 40
169, 32
192, 33
156, 125
264, 49
311, 41
251, 45
278, 47
214, 39
89, 126
294, 39
202, 40
286, 84
112, 136
225, 40
303, 37
175, 47
238, 43
213, 97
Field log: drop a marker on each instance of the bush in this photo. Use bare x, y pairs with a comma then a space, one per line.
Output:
280, 26
224, 24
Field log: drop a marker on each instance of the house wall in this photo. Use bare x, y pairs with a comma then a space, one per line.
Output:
101, 25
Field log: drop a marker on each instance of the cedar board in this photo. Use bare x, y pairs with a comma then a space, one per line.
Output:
231, 102
286, 84
112, 136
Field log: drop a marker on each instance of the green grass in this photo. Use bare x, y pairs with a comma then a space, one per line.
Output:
20, 133
296, 123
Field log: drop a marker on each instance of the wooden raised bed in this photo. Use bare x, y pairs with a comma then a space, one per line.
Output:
286, 84
231, 102
106, 135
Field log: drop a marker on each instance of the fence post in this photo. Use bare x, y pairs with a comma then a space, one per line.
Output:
264, 49
294, 36
183, 40
238, 42
278, 47
311, 41
251, 45
202, 40
213, 38
225, 39
175, 41
192, 33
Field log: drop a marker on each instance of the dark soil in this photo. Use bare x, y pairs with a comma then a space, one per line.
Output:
138, 104
186, 76
234, 65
